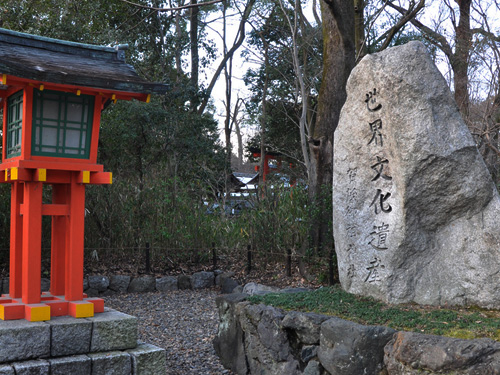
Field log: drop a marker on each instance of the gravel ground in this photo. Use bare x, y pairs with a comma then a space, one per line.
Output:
184, 323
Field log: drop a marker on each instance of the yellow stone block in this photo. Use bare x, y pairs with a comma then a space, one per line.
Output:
38, 313
81, 309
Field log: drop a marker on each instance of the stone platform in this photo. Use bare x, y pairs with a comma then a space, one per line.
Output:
103, 344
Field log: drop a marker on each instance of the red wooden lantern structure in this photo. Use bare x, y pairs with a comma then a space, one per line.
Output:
52, 93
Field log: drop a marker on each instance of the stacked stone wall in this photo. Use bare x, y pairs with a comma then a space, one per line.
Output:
105, 285
259, 339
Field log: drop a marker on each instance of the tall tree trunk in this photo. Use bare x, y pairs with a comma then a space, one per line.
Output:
338, 61
263, 121
359, 28
228, 73
302, 87
178, 47
460, 61
239, 137
195, 58
236, 123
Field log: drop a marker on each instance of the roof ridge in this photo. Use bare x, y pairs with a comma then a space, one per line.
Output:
58, 45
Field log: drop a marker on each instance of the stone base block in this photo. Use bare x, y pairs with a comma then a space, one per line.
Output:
75, 365
148, 359
113, 330
70, 336
144, 360
117, 363
21, 340
37, 367
104, 344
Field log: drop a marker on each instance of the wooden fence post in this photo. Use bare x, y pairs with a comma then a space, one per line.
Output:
289, 262
330, 267
249, 259
148, 259
214, 256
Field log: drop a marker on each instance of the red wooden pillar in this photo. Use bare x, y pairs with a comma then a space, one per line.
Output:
32, 239
60, 195
74, 245
16, 240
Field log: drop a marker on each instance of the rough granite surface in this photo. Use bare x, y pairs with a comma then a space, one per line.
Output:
415, 209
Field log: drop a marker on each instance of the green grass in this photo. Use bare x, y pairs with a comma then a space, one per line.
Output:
453, 322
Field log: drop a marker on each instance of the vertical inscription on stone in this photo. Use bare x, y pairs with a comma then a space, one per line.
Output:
352, 194
380, 203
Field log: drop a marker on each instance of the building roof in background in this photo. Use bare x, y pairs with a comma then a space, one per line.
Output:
247, 179
62, 62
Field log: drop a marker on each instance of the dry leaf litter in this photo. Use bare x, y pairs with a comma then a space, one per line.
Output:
183, 322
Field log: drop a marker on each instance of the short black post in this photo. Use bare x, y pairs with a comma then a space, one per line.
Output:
148, 259
289, 262
330, 267
214, 256
249, 258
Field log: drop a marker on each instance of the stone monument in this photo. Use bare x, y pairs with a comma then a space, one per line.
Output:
416, 213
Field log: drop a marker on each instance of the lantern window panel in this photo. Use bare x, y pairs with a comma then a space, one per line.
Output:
14, 124
62, 124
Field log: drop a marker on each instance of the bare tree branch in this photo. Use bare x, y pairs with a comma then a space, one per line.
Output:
407, 17
228, 55
377, 14
315, 13
173, 9
435, 37
487, 34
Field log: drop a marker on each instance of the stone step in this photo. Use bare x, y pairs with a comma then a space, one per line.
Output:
144, 359
111, 330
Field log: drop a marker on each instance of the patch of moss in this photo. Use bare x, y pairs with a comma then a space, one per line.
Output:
460, 334
452, 322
